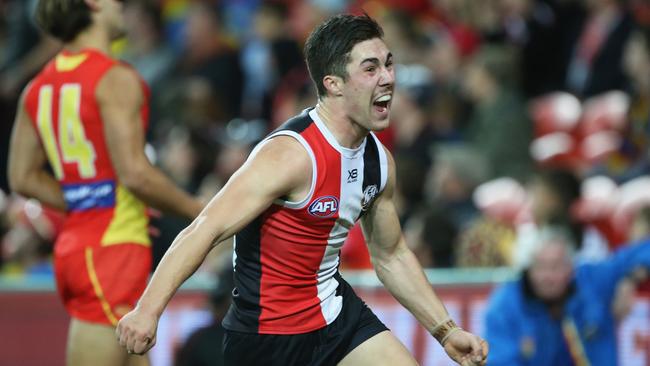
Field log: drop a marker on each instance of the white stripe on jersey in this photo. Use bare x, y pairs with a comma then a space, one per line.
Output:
383, 162
351, 195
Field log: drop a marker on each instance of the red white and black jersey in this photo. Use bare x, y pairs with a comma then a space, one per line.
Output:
286, 259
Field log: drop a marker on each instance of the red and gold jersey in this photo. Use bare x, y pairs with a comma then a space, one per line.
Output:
62, 105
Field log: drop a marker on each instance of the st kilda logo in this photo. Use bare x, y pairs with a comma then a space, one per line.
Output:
369, 195
325, 206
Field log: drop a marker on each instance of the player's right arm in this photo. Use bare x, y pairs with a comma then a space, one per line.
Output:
27, 160
280, 168
120, 98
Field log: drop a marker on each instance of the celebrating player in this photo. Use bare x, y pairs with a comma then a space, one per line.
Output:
290, 207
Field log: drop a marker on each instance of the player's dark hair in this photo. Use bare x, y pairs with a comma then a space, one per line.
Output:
327, 50
63, 19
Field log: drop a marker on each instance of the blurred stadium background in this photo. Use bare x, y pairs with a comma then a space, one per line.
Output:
510, 117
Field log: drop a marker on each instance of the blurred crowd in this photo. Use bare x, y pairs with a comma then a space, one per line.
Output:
512, 119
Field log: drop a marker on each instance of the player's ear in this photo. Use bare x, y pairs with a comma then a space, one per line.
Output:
333, 84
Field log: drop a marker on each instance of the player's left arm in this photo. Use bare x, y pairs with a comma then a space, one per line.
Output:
400, 272
27, 173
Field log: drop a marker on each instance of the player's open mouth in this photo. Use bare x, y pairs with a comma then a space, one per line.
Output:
382, 103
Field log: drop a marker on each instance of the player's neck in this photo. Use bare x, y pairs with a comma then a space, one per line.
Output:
94, 37
347, 132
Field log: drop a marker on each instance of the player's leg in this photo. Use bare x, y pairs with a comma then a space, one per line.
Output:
137, 360
102, 285
381, 349
367, 340
93, 344
84, 340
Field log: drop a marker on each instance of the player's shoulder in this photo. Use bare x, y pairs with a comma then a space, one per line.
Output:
280, 164
121, 74
283, 156
283, 150
120, 81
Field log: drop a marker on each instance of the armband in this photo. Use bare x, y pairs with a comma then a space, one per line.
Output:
443, 330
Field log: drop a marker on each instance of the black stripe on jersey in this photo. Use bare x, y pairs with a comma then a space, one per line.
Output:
244, 313
371, 174
298, 123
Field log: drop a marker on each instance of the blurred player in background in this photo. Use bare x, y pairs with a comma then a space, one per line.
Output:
85, 114
291, 206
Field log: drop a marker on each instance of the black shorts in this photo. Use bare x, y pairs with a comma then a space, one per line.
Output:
326, 346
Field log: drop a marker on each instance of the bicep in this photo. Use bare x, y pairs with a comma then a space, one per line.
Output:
381, 227
274, 171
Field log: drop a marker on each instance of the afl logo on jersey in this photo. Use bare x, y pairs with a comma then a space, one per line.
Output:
325, 206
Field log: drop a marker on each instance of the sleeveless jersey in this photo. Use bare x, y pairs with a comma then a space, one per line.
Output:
285, 261
62, 105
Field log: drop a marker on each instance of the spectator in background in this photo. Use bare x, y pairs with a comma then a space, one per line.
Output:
209, 54
413, 142
447, 110
193, 105
27, 49
186, 157
145, 46
558, 314
404, 36
268, 58
148, 52
293, 96
431, 236
499, 127
533, 27
456, 171
553, 193
24, 51
595, 37
633, 157
461, 19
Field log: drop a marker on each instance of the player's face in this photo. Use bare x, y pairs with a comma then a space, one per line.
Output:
551, 272
368, 90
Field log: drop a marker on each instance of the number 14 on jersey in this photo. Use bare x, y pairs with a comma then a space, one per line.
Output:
71, 139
